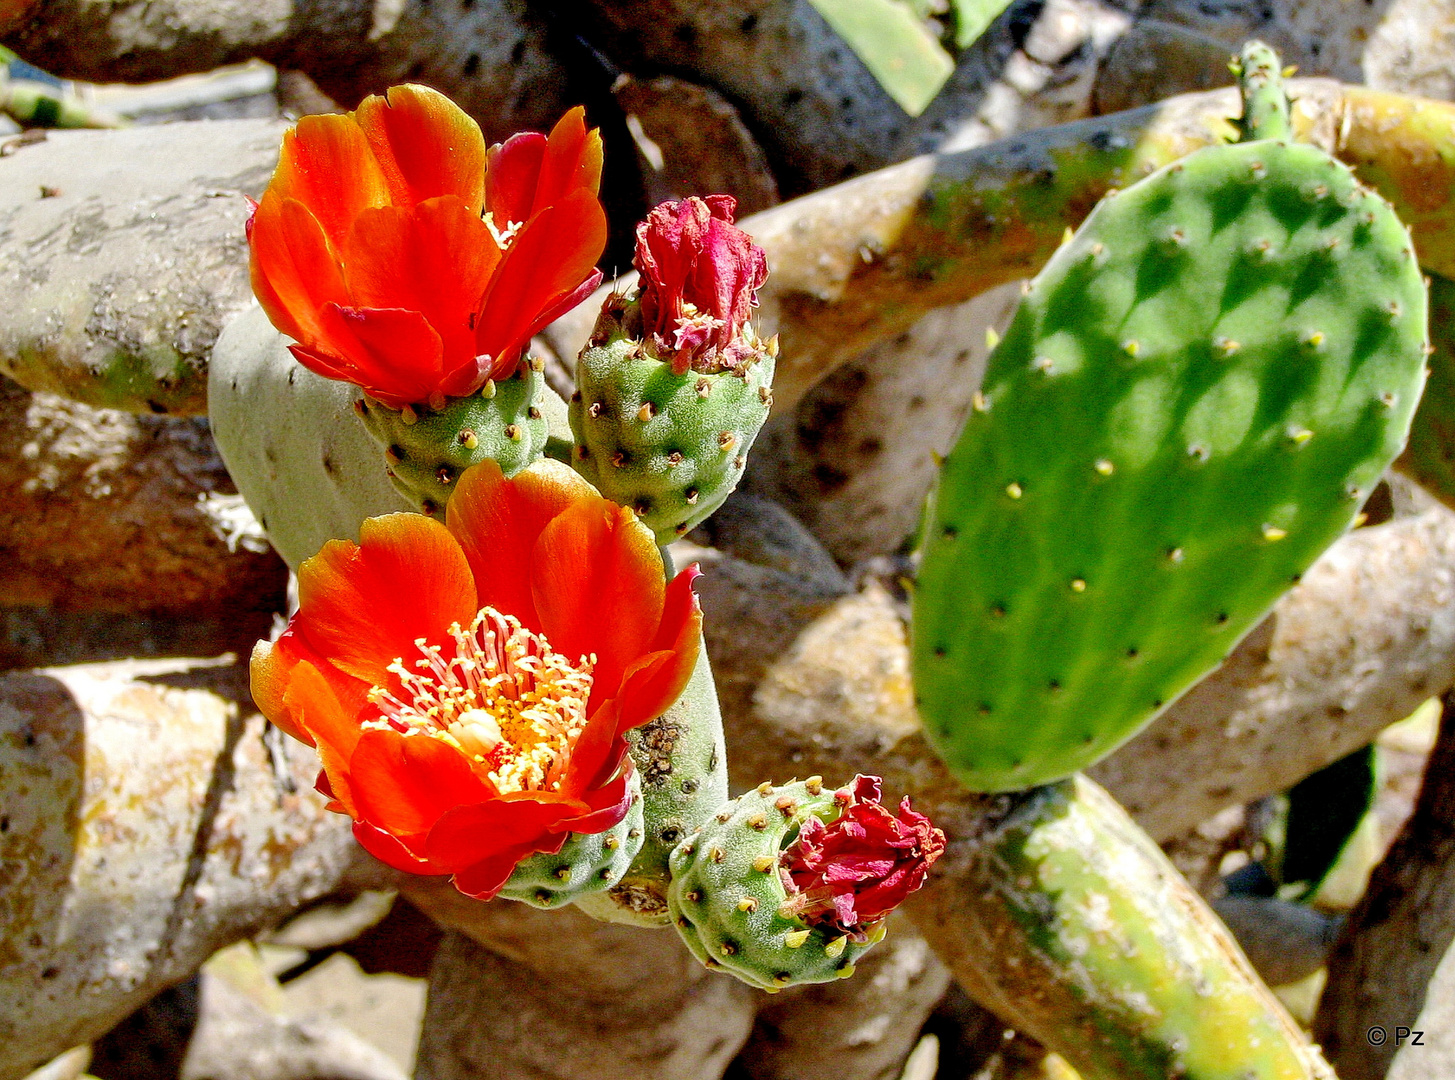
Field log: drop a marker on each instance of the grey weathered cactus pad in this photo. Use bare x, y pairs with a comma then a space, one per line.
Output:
1193, 400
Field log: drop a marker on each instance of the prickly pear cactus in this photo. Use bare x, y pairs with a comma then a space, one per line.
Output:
293, 443
682, 763
726, 892
427, 449
587, 863
1081, 920
1191, 403
671, 446
1429, 458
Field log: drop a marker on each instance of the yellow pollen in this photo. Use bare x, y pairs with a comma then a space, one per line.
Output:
499, 694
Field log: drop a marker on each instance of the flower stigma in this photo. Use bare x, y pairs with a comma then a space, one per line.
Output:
512, 705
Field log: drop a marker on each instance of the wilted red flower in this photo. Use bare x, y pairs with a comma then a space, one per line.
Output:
468, 685
369, 248
700, 279
845, 876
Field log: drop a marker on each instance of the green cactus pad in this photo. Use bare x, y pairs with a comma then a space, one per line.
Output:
682, 763
1429, 458
1193, 400
427, 449
1084, 923
726, 892
671, 446
587, 863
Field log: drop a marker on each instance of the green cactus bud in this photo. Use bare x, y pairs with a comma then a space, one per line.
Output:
1193, 400
427, 449
726, 892
587, 864
682, 763
672, 446
1265, 105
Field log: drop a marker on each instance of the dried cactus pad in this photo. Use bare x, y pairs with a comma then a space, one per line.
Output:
1191, 403
726, 892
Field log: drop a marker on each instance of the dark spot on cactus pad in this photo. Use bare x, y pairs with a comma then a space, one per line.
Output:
694, 895
1133, 653
395, 452
941, 650
950, 532
985, 708
544, 896
689, 786
1222, 617
429, 508
1053, 685
328, 465
670, 834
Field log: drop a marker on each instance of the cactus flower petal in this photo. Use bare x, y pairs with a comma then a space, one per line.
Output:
849, 874
370, 251
700, 279
460, 736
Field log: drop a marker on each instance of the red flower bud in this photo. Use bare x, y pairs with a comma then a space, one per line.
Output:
700, 279
846, 876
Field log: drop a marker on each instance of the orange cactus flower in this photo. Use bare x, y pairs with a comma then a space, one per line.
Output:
369, 248
468, 685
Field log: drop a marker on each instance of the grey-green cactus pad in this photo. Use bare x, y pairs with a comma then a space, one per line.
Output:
671, 446
586, 863
1189, 406
726, 892
427, 449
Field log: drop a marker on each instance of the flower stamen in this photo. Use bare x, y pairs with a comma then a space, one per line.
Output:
512, 705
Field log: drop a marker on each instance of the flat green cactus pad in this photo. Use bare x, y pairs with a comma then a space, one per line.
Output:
1193, 400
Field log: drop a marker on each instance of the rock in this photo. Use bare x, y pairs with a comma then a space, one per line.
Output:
110, 512
119, 280
1434, 1056
147, 820
863, 1028
694, 143
587, 1000
761, 532
856, 457
1284, 941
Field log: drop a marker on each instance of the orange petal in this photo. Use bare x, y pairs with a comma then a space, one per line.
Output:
435, 258
657, 680
426, 146
391, 851
327, 165
364, 606
497, 521
331, 718
406, 783
551, 256
293, 269
468, 834
597, 580
395, 354
512, 172
269, 671
572, 162
597, 753
483, 880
